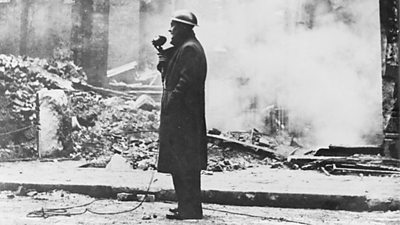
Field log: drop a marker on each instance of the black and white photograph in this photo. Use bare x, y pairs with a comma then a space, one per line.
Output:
214, 112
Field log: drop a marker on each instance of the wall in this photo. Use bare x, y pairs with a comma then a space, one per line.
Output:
10, 23
123, 36
46, 24
91, 38
39, 28
34, 27
102, 34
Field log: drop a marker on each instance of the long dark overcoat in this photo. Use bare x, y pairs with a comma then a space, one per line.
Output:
182, 134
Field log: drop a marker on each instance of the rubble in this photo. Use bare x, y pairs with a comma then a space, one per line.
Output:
348, 150
118, 163
124, 123
109, 121
120, 126
236, 150
21, 191
275, 146
126, 197
146, 197
229, 158
355, 164
256, 148
20, 79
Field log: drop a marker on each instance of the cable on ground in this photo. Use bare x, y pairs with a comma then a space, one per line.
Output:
256, 216
64, 211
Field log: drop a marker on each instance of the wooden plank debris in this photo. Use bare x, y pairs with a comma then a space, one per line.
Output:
253, 147
135, 87
342, 170
303, 160
99, 90
349, 150
364, 164
121, 69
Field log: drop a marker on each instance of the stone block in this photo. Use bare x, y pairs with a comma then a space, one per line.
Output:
50, 120
118, 163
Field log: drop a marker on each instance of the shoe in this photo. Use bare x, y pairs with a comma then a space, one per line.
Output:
174, 216
177, 216
173, 210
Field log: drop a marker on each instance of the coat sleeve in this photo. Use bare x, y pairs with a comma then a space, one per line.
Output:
189, 61
163, 60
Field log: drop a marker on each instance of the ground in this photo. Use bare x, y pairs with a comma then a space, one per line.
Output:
14, 210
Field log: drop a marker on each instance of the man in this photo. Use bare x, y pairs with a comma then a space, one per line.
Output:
183, 144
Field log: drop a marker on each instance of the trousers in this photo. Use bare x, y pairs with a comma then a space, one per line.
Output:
188, 193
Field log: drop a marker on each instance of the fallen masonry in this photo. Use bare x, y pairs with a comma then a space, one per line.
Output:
260, 149
356, 164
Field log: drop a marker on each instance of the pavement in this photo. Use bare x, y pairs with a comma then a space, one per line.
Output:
258, 186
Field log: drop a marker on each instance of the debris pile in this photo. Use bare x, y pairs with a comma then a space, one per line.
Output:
20, 79
355, 164
102, 126
229, 159
240, 149
113, 125
107, 122
122, 128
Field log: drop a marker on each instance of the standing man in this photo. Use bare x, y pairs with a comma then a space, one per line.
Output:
183, 143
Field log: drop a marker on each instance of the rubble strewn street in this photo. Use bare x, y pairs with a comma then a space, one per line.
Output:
14, 211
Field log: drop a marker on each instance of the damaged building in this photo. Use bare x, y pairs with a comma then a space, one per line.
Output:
320, 72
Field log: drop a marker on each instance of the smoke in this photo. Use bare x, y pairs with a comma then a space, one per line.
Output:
318, 59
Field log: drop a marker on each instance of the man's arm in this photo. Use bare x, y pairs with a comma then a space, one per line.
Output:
189, 62
163, 59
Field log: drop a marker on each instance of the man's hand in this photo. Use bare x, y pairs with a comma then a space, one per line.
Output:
162, 57
162, 61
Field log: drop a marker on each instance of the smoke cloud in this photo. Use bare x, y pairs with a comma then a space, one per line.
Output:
320, 60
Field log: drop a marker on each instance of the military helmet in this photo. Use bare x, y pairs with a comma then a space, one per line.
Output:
186, 17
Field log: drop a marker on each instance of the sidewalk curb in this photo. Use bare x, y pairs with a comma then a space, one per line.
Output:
282, 200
